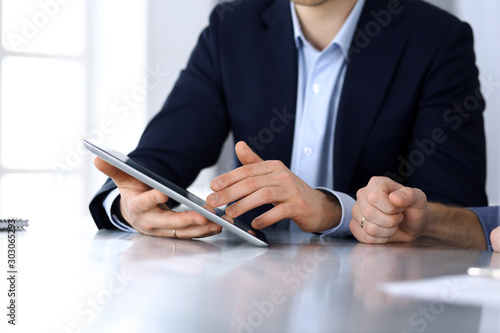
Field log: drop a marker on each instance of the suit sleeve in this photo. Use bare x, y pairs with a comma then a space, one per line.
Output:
490, 219
447, 154
188, 133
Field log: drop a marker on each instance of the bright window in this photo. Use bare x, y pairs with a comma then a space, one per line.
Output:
65, 67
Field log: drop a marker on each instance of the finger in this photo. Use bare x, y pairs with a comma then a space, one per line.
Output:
266, 195
196, 231
384, 184
245, 154
247, 157
140, 203
406, 197
240, 189
358, 231
231, 220
119, 177
378, 217
380, 199
361, 236
375, 230
192, 231
247, 171
275, 214
158, 222
228, 219
210, 209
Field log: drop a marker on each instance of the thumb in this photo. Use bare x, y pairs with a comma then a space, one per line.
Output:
407, 196
245, 154
119, 177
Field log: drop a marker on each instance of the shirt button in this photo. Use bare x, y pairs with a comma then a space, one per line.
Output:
316, 88
307, 151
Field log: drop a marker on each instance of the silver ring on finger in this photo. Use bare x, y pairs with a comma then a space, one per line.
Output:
174, 234
362, 222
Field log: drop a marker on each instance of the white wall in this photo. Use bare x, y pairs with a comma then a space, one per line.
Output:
484, 16
173, 29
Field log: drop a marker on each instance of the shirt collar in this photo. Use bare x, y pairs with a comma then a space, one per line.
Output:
344, 37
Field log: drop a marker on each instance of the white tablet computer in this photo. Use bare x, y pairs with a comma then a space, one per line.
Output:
175, 192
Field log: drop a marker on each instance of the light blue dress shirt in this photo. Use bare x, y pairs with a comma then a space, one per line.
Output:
320, 81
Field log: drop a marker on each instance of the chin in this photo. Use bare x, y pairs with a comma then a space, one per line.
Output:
308, 2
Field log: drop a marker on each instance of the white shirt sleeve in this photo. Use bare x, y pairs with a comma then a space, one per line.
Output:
108, 202
346, 203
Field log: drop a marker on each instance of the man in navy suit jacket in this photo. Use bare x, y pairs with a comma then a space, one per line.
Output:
409, 108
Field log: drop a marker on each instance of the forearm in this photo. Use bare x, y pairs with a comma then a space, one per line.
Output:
452, 226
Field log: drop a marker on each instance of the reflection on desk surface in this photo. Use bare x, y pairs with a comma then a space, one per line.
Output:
113, 281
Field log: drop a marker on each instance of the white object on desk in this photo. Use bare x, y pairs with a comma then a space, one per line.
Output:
451, 289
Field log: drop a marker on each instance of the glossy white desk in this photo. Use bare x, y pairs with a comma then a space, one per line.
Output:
117, 282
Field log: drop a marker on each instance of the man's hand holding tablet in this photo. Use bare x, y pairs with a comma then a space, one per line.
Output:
144, 209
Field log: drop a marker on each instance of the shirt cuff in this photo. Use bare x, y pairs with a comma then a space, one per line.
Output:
488, 216
346, 203
108, 203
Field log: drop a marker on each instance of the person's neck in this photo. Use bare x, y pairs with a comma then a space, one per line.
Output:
320, 24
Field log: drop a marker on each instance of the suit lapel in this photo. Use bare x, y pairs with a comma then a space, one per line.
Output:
279, 83
368, 77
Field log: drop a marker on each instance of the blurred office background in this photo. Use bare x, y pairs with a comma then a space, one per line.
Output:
101, 69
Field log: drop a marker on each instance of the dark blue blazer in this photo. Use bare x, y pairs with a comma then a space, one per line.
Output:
410, 106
